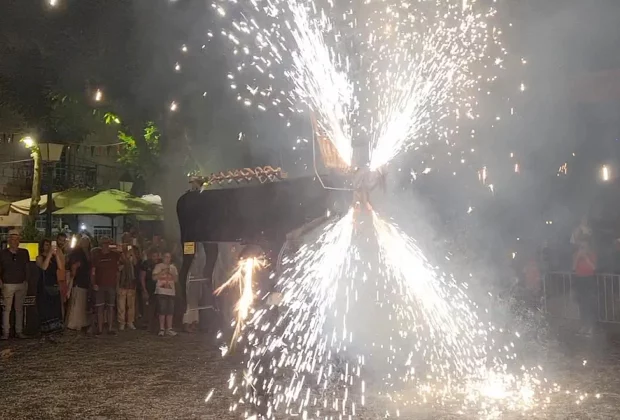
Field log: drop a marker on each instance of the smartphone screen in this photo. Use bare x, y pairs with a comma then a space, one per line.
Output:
129, 247
53, 244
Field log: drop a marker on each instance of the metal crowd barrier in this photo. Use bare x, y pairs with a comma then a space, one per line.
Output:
191, 279
560, 301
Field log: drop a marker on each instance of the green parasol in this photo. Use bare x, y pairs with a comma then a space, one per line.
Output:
61, 199
112, 203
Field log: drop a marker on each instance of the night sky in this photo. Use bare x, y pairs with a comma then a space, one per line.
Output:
129, 50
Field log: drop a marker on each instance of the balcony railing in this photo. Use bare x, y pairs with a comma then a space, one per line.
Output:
17, 177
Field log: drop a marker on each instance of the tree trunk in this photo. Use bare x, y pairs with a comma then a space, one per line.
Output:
169, 199
169, 184
36, 183
172, 177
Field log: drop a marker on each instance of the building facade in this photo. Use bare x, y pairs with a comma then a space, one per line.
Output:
80, 166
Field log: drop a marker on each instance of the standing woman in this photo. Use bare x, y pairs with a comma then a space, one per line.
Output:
49, 301
79, 263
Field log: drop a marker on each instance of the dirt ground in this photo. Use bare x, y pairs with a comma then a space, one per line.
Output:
134, 375
139, 376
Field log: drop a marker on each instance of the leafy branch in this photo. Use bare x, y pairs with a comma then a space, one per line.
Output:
140, 155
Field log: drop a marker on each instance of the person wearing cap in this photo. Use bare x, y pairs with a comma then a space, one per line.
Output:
106, 266
14, 274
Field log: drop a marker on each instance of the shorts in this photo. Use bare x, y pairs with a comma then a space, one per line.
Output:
105, 296
165, 305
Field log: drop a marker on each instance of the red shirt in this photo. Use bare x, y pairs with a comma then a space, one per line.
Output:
532, 276
583, 267
106, 267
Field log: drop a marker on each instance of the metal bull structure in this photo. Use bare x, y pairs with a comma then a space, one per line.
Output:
250, 213
261, 212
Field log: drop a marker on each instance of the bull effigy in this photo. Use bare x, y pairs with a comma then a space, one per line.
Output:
237, 223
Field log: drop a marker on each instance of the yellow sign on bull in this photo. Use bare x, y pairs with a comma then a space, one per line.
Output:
189, 248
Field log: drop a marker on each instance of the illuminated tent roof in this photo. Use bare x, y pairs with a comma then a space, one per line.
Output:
5, 206
61, 199
113, 203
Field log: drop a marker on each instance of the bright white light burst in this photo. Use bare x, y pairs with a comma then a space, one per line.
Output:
395, 74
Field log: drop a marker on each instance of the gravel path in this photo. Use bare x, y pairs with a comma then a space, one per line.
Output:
139, 376
129, 376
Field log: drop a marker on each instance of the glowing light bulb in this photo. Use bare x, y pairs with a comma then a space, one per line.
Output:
605, 173
28, 142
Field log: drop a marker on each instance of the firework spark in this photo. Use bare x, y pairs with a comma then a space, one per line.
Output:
318, 81
243, 277
293, 358
352, 327
292, 43
400, 74
455, 355
430, 70
433, 307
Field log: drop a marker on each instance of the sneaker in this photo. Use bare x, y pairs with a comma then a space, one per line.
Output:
171, 333
130, 326
4, 337
161, 333
21, 335
121, 327
111, 332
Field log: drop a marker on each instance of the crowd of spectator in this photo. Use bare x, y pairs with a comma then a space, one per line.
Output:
588, 252
94, 288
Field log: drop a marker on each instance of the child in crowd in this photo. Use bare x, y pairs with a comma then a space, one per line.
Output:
166, 277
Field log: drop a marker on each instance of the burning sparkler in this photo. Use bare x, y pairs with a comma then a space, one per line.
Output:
243, 277
295, 356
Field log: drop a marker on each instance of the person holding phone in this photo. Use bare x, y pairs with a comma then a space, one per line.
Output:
49, 301
166, 276
127, 289
147, 288
106, 267
79, 263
